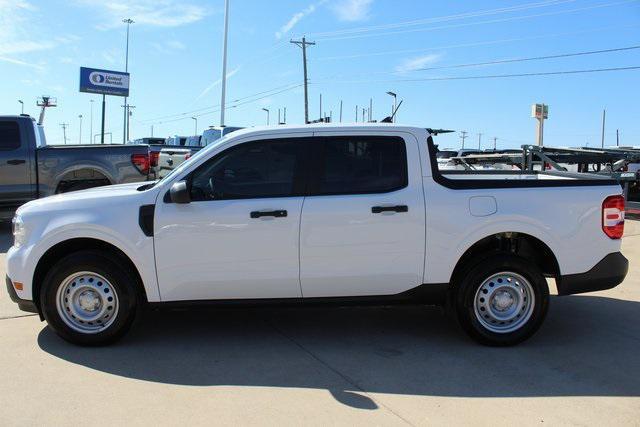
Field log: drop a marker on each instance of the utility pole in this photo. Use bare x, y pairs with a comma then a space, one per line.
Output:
129, 114
196, 125
479, 140
320, 113
279, 116
356, 114
463, 136
64, 132
341, 111
604, 115
80, 134
617, 138
151, 130
303, 44
91, 123
284, 119
370, 108
495, 143
21, 106
364, 110
224, 61
45, 102
267, 110
127, 21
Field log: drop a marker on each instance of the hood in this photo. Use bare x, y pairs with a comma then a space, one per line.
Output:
89, 198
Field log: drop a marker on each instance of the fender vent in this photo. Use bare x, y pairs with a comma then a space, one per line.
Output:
145, 219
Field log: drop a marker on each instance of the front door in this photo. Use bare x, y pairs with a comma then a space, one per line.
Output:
363, 223
239, 236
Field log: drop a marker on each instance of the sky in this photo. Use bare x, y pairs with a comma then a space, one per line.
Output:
440, 58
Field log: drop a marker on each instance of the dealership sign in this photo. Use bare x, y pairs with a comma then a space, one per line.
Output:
104, 82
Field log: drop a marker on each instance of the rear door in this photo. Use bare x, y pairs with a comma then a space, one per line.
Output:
363, 223
15, 177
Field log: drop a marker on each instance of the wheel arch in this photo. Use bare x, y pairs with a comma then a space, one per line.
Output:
61, 249
518, 243
92, 172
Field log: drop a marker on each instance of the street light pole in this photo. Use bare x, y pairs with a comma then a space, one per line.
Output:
80, 134
21, 106
393, 110
196, 125
127, 21
224, 61
267, 110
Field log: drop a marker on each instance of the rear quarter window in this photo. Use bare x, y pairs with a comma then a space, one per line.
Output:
9, 136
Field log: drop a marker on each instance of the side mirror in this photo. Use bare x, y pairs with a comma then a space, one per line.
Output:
179, 193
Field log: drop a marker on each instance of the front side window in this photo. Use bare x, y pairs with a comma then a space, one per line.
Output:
9, 136
258, 169
361, 164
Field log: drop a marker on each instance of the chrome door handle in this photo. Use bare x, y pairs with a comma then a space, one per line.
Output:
278, 213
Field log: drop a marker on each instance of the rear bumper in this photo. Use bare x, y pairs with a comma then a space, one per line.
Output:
606, 274
23, 304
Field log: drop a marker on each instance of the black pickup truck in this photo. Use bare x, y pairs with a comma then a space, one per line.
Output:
29, 169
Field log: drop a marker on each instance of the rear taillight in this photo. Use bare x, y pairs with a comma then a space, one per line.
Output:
153, 158
613, 216
141, 162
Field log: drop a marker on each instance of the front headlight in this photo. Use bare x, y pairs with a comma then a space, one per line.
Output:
19, 231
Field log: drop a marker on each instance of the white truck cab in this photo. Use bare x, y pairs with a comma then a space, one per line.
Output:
319, 213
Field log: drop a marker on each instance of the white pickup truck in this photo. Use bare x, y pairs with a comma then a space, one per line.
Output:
319, 214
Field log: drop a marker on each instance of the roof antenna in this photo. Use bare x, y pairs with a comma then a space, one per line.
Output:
389, 119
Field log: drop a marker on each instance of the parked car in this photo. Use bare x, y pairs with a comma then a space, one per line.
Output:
313, 214
171, 158
30, 169
214, 133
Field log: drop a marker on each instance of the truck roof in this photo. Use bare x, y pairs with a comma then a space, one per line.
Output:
325, 127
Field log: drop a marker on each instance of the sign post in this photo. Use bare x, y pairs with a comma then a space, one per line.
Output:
540, 112
104, 82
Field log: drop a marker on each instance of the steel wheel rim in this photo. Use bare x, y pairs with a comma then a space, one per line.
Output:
87, 302
504, 302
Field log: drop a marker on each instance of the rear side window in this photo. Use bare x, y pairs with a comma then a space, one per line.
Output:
361, 165
9, 136
268, 168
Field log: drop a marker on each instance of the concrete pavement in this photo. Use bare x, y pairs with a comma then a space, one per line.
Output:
403, 365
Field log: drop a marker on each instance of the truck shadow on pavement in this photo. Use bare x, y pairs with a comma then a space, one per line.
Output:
588, 346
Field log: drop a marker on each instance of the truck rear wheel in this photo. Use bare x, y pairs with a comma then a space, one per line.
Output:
88, 298
501, 300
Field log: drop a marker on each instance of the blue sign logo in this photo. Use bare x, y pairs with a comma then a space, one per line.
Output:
104, 82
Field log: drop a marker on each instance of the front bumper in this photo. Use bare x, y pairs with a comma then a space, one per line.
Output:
606, 274
23, 304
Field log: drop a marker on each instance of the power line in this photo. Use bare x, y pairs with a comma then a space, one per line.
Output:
490, 21
189, 113
474, 44
444, 18
534, 58
494, 76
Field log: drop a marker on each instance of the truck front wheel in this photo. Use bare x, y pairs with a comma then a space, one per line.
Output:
501, 300
88, 298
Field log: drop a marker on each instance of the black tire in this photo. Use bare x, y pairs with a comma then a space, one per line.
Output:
122, 281
468, 284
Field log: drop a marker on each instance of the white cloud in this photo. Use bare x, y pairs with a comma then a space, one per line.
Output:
297, 17
169, 46
413, 64
352, 10
158, 13
39, 67
217, 82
